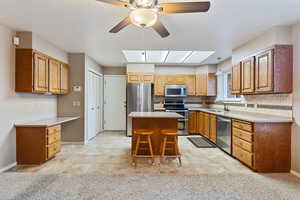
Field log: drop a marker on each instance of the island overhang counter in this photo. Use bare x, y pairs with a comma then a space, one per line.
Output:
154, 121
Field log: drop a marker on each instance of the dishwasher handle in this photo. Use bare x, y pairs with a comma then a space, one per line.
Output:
224, 119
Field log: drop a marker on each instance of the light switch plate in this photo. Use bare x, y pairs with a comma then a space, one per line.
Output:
76, 88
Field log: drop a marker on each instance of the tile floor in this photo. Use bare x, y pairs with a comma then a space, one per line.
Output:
109, 153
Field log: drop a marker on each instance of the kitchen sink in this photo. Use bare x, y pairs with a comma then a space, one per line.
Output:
214, 110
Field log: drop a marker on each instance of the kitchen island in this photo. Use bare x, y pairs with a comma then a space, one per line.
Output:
154, 121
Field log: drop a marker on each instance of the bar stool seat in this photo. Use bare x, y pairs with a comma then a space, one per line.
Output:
170, 138
143, 137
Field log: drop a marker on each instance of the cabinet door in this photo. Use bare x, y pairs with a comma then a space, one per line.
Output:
264, 72
192, 123
213, 128
248, 75
159, 86
133, 77
236, 79
64, 78
190, 81
202, 85
206, 131
40, 73
200, 122
147, 78
54, 76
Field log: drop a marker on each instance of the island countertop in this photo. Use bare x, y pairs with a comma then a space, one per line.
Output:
154, 115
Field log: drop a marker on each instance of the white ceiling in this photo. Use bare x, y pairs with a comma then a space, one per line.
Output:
82, 26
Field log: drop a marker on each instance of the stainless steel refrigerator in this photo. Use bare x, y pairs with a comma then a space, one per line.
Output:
139, 99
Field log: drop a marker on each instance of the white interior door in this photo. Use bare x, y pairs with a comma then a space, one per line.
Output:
114, 102
95, 104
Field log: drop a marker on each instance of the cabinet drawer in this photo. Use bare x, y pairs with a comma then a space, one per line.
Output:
53, 129
54, 137
243, 144
242, 134
242, 155
242, 125
53, 149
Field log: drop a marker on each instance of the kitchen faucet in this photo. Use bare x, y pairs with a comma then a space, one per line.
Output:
226, 107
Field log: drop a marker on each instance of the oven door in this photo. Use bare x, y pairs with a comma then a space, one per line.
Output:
182, 122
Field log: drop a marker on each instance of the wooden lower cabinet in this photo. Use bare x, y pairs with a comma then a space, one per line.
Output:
35, 145
264, 147
213, 128
206, 125
192, 123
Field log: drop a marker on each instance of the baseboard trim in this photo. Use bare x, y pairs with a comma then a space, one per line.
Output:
295, 173
8, 167
74, 143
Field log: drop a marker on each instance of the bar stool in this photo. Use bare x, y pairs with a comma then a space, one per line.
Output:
170, 138
143, 137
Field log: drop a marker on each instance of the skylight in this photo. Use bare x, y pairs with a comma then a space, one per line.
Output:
166, 57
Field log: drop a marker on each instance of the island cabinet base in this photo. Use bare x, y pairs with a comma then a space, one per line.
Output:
155, 125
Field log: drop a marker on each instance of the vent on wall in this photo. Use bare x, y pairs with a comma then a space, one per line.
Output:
166, 57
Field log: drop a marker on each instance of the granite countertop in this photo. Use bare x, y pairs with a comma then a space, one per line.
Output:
247, 116
154, 115
47, 122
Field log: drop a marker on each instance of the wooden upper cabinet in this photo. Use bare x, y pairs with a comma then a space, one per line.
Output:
54, 76
190, 82
40, 76
140, 77
264, 72
178, 79
159, 85
248, 75
236, 79
64, 79
206, 84
38, 73
147, 78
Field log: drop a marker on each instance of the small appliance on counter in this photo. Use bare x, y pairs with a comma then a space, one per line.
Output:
139, 99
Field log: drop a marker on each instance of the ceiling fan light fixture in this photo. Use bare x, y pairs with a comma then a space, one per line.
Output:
143, 17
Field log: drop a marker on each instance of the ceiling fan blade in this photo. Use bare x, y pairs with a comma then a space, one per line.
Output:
161, 29
120, 25
115, 2
184, 7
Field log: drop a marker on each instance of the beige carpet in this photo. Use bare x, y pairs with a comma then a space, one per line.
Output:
31, 186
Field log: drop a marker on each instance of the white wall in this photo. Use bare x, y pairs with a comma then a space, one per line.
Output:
296, 100
140, 68
16, 107
163, 69
276, 35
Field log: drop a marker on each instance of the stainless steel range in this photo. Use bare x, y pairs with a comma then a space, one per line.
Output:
177, 105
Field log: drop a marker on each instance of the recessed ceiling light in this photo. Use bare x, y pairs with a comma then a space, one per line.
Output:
177, 56
198, 57
133, 56
156, 56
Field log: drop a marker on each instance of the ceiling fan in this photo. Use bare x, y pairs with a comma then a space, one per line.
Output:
144, 13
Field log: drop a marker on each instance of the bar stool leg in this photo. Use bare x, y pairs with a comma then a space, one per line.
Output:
177, 150
150, 147
136, 149
164, 147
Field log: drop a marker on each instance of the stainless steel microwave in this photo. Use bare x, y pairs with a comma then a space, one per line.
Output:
175, 91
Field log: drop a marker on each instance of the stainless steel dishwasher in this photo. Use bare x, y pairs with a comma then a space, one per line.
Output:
224, 133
